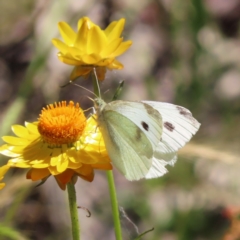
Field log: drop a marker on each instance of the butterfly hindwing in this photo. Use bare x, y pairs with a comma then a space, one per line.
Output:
142, 115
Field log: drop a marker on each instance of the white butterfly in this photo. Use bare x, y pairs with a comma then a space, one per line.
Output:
141, 138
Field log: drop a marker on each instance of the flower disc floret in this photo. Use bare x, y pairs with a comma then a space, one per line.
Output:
61, 123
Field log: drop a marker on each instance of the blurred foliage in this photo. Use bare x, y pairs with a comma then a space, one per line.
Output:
186, 52
9, 233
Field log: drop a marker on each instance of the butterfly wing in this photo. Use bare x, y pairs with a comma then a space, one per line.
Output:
178, 124
178, 128
131, 131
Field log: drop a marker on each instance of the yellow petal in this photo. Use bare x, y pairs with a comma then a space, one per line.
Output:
84, 170
32, 128
15, 140
121, 49
91, 58
101, 71
67, 33
64, 178
35, 162
110, 48
82, 37
80, 71
74, 156
115, 65
96, 40
44, 161
16, 149
74, 165
37, 174
41, 153
4, 149
88, 177
69, 60
106, 166
110, 27
3, 171
62, 47
85, 19
63, 164
67, 51
18, 162
114, 30
20, 131
105, 62
55, 158
41, 165
53, 170
36, 152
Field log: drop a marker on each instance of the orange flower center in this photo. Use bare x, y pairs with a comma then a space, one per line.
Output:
60, 123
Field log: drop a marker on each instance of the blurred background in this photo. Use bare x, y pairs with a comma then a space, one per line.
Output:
183, 52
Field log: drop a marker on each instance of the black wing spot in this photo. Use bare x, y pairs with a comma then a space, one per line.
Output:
169, 126
184, 112
145, 126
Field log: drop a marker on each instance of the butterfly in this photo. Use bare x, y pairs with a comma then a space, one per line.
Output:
143, 137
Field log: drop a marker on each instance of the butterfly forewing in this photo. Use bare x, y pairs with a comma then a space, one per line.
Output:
130, 136
178, 125
128, 157
142, 115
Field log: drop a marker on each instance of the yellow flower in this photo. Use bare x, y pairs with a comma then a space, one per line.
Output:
3, 171
63, 143
91, 47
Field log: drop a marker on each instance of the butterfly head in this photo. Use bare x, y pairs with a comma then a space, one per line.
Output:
99, 104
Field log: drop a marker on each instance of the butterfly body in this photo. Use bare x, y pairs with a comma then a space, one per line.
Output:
138, 137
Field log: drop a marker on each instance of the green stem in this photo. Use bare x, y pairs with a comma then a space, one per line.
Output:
114, 202
96, 88
73, 211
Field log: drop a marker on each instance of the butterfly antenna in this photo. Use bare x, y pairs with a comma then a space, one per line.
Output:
66, 84
75, 84
94, 111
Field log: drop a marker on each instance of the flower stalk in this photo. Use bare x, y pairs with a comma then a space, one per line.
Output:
73, 211
114, 202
